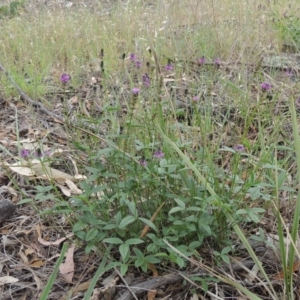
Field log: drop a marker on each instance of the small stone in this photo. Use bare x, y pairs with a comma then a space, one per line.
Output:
7, 209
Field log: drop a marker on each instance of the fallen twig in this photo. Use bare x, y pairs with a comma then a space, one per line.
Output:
150, 285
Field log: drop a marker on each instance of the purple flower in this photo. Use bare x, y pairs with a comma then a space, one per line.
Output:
265, 86
158, 154
217, 61
289, 73
24, 153
132, 57
41, 154
297, 102
195, 98
135, 91
65, 78
143, 162
138, 64
201, 61
146, 80
168, 67
239, 148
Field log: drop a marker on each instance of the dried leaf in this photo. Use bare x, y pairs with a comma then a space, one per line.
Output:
57, 242
23, 256
74, 189
153, 269
25, 171
28, 251
151, 294
73, 100
67, 268
81, 287
43, 242
64, 190
36, 279
194, 297
8, 279
7, 242
36, 263
50, 173
280, 275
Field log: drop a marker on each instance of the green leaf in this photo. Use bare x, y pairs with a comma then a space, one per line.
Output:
149, 223
195, 244
194, 208
91, 234
124, 250
80, 146
144, 267
123, 269
134, 241
226, 250
180, 202
204, 285
109, 226
180, 261
152, 259
89, 247
139, 262
115, 241
152, 248
175, 209
225, 259
138, 252
132, 207
81, 234
23, 201
161, 254
126, 221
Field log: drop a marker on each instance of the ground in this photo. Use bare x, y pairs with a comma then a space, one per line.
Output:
55, 127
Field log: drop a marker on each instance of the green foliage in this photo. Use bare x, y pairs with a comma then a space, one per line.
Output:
11, 10
289, 30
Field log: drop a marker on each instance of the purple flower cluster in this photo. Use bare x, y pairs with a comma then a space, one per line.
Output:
217, 61
146, 80
202, 60
265, 86
239, 148
134, 59
143, 162
24, 153
289, 73
158, 154
65, 78
168, 67
137, 64
135, 91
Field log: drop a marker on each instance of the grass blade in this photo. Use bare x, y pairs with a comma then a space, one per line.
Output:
47, 289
